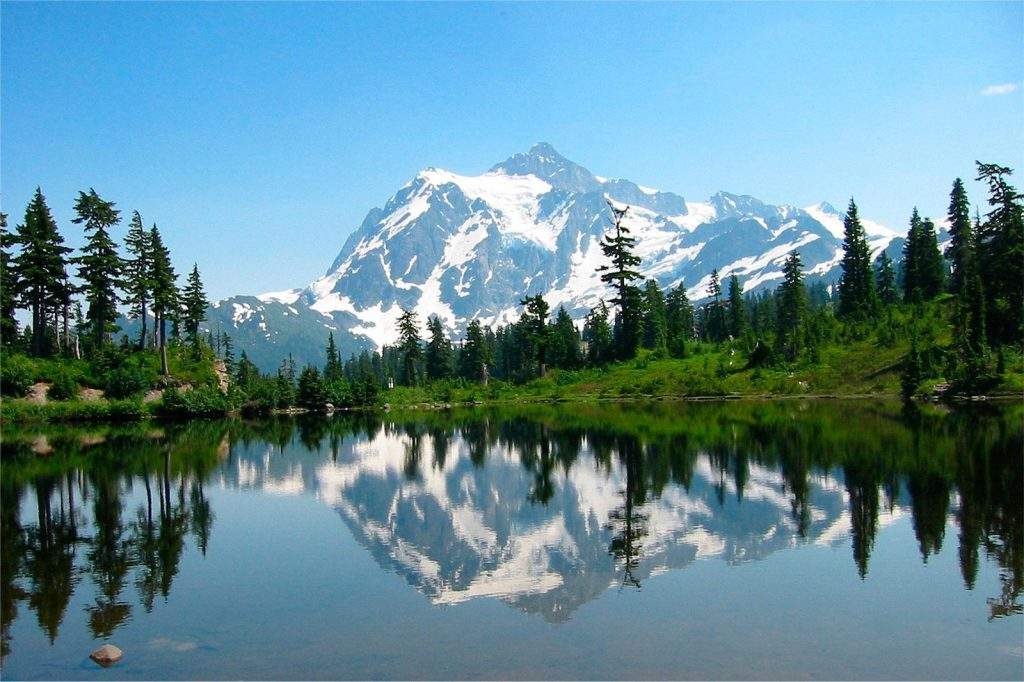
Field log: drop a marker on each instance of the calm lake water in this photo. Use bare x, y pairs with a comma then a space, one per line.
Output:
667, 540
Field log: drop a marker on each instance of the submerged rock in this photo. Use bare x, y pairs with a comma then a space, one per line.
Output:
106, 655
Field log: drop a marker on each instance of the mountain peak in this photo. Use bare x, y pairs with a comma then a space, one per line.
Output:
544, 161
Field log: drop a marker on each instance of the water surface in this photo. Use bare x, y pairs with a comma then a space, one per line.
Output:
665, 540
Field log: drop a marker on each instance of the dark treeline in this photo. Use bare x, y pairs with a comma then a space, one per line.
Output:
966, 464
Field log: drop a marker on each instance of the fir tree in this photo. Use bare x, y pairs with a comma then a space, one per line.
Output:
8, 287
229, 353
715, 328
246, 374
618, 247
932, 273
333, 370
438, 356
961, 249
791, 300
1001, 250
138, 273
679, 320
912, 261
409, 347
885, 280
534, 327
737, 309
39, 268
655, 335
597, 333
165, 294
564, 342
311, 393
193, 305
857, 297
475, 356
100, 266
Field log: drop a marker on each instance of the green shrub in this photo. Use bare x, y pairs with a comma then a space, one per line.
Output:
64, 387
17, 373
200, 401
125, 382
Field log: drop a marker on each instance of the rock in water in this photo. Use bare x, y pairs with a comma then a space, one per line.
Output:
107, 655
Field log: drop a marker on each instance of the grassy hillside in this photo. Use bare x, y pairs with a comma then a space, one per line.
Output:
852, 362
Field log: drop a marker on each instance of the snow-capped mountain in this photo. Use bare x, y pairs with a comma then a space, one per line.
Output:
471, 246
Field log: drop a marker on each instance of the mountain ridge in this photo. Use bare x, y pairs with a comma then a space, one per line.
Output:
466, 247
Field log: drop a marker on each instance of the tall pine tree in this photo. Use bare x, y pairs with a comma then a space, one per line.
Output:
475, 357
39, 268
715, 326
99, 267
139, 274
534, 329
885, 280
165, 296
193, 305
1001, 249
655, 320
618, 247
564, 346
737, 309
438, 355
857, 297
333, 370
679, 320
409, 347
791, 300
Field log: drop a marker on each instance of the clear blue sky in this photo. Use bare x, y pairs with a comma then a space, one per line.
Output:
258, 135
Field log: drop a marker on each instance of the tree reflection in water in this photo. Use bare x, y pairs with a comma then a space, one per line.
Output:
83, 526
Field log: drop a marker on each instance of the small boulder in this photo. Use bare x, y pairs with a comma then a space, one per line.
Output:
107, 655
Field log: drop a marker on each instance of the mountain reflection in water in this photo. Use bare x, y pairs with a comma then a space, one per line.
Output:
544, 508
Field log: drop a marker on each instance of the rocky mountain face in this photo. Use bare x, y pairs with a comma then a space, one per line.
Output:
470, 247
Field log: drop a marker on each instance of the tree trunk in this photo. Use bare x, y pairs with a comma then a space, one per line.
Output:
142, 336
163, 345
67, 327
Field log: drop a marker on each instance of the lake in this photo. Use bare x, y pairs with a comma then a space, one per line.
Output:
787, 539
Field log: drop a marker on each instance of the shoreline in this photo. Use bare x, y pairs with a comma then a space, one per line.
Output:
128, 411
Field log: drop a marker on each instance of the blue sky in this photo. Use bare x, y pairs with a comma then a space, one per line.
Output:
258, 135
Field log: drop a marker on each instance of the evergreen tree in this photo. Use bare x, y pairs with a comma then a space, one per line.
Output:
246, 374
715, 327
39, 269
534, 328
100, 266
962, 244
475, 357
857, 297
229, 354
597, 333
138, 273
791, 318
655, 333
193, 305
438, 355
333, 370
1001, 250
679, 320
311, 393
885, 280
8, 287
564, 342
933, 269
409, 347
618, 247
165, 295
912, 261
737, 309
